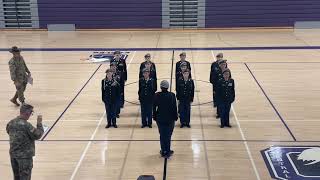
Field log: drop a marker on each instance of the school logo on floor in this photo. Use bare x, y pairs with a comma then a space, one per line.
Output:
293, 162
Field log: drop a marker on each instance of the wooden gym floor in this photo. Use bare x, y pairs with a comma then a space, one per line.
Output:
277, 103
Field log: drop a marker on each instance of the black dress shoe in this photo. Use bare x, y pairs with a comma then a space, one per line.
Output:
118, 115
143, 126
188, 125
163, 153
14, 101
182, 125
150, 126
108, 125
217, 116
229, 126
221, 126
115, 126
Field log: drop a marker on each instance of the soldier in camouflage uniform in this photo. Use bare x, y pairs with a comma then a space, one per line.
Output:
22, 147
19, 75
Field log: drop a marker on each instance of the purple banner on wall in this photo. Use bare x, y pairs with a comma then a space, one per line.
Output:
260, 13
101, 13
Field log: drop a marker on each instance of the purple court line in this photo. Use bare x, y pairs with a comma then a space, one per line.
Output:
229, 62
182, 140
71, 102
170, 49
274, 108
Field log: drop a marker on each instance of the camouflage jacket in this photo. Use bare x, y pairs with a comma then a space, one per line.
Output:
22, 136
18, 70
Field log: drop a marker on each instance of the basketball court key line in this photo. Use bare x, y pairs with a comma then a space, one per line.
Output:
243, 138
71, 102
84, 153
170, 49
201, 123
272, 105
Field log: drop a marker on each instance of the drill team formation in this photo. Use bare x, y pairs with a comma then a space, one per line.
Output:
157, 104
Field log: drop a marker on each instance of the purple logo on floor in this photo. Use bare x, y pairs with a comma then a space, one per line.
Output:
293, 162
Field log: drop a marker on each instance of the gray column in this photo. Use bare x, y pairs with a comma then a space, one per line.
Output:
202, 13
2, 25
34, 13
165, 14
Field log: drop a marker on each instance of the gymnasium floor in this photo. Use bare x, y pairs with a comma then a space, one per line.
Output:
277, 103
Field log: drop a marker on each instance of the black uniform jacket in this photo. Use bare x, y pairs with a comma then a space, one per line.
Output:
122, 67
225, 91
185, 90
178, 69
110, 91
165, 107
147, 89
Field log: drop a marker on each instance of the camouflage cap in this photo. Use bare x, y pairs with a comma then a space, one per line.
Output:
14, 49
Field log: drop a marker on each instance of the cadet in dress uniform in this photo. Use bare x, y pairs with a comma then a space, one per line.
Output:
118, 77
22, 147
213, 75
183, 56
110, 89
179, 75
165, 114
19, 73
147, 58
122, 69
185, 95
225, 97
147, 89
151, 67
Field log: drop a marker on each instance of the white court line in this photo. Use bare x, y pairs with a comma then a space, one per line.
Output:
243, 138
242, 120
246, 144
87, 148
271, 120
93, 135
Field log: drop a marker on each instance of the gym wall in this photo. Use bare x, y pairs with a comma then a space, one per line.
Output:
116, 14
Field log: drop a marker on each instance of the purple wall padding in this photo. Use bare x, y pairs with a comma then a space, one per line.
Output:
101, 13
260, 13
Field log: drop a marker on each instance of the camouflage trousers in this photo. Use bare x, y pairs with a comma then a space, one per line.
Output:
22, 168
20, 92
